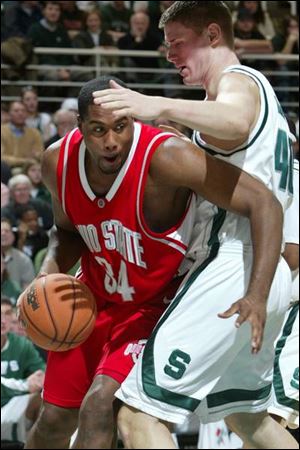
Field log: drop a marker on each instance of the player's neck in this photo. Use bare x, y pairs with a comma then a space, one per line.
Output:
99, 182
222, 58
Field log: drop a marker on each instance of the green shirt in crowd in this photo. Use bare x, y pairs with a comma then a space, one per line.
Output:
19, 359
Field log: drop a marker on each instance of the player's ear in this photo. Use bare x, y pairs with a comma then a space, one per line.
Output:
214, 34
79, 122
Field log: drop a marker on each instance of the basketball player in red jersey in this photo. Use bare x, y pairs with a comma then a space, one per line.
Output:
123, 201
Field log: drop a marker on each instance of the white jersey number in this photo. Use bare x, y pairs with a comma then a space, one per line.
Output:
112, 285
284, 161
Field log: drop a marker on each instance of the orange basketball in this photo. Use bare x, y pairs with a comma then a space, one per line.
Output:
58, 312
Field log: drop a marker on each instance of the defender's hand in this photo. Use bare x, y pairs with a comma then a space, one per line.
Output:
125, 102
249, 310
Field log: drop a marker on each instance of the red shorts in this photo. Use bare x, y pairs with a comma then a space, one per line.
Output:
111, 350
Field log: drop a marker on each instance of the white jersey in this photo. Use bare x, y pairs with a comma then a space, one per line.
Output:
266, 155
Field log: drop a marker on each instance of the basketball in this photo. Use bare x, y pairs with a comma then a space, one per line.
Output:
57, 311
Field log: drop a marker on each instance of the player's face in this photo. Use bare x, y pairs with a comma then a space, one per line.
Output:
188, 51
107, 140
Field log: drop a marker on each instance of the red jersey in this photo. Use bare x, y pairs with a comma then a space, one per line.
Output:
125, 260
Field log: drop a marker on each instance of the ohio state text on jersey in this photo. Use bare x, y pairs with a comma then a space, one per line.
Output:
125, 260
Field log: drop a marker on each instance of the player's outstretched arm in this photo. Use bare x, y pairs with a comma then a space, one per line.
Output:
229, 117
182, 164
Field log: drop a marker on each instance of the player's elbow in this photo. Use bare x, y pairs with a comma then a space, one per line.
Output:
241, 128
264, 201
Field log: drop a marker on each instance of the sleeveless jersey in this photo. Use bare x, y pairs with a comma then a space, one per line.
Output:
125, 260
266, 155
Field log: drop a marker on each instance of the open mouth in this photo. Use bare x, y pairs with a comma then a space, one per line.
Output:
111, 159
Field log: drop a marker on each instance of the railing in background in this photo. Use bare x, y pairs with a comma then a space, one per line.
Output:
99, 69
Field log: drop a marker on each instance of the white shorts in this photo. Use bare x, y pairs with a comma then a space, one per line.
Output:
197, 362
13, 420
286, 370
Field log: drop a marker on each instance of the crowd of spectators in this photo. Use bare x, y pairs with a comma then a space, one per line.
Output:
27, 128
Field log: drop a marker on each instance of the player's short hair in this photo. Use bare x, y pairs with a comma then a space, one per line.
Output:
85, 98
198, 15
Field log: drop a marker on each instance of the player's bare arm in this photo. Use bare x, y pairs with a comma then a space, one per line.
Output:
65, 244
183, 164
230, 116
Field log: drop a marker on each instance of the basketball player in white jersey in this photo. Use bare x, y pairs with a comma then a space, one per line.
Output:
195, 361
286, 368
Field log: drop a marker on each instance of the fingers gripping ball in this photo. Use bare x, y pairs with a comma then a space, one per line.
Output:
57, 311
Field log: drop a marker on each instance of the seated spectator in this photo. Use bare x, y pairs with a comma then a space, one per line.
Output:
86, 5
22, 379
19, 142
49, 32
20, 16
16, 326
65, 120
71, 18
35, 119
264, 23
93, 36
4, 113
287, 43
31, 237
9, 287
140, 37
18, 265
155, 10
116, 18
34, 172
248, 39
71, 104
20, 195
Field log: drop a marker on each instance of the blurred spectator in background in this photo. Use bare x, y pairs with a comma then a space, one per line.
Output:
20, 195
19, 142
22, 379
140, 6
49, 32
65, 120
20, 16
71, 18
4, 113
71, 104
40, 120
140, 37
155, 10
86, 5
287, 43
34, 172
9, 287
18, 265
116, 18
4, 195
16, 326
262, 19
93, 36
247, 39
31, 237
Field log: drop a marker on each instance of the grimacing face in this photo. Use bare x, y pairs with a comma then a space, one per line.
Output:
188, 51
108, 141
